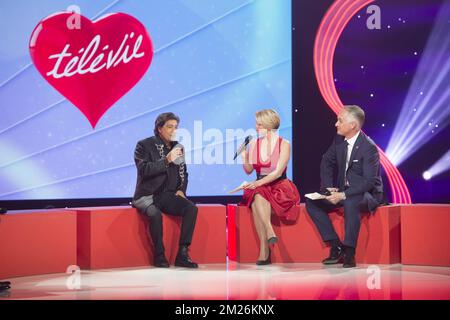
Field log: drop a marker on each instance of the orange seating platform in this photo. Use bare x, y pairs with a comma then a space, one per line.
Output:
379, 239
37, 242
49, 241
111, 237
425, 234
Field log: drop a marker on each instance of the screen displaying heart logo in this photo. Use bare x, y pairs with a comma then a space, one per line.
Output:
95, 64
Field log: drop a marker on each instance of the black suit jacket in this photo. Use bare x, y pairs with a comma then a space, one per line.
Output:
363, 173
152, 169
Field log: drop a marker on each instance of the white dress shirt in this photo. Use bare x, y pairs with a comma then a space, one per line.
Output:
351, 143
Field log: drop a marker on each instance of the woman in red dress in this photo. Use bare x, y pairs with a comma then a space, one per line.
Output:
272, 192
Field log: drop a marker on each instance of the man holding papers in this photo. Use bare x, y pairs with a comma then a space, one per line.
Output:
354, 161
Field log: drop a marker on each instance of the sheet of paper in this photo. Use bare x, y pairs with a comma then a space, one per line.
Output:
315, 196
241, 186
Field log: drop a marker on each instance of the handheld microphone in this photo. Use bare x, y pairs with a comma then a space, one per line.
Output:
181, 159
243, 145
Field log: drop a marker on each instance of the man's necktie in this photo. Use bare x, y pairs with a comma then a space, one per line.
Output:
346, 144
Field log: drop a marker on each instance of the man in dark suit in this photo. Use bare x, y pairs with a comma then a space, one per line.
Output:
161, 187
350, 171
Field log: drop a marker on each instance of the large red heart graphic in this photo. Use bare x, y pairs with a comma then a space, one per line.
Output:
92, 64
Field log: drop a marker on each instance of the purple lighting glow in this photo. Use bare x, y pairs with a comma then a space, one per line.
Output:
440, 166
426, 109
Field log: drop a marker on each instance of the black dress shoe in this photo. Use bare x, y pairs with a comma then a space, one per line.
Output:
161, 262
264, 262
5, 286
349, 261
336, 256
183, 259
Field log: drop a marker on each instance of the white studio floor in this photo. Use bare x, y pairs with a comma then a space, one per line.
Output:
234, 281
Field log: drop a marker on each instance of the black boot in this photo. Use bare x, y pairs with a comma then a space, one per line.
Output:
183, 259
160, 261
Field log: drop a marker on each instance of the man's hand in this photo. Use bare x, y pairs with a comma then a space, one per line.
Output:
180, 193
333, 189
336, 197
174, 154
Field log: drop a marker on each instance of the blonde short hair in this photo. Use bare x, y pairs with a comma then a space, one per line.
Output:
269, 118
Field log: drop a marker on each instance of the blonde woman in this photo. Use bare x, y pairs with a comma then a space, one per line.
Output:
271, 193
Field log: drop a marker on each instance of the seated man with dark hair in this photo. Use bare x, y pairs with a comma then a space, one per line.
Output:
161, 187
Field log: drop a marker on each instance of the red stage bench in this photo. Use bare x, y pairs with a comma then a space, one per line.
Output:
37, 242
379, 238
112, 237
425, 234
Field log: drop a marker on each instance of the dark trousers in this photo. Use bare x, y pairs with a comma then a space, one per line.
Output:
318, 211
172, 204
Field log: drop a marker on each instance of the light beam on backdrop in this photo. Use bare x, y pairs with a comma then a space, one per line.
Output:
327, 37
440, 166
426, 109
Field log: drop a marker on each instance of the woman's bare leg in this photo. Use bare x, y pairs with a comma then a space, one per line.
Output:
264, 210
261, 230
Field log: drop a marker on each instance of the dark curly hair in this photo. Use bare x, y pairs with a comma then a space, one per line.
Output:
162, 119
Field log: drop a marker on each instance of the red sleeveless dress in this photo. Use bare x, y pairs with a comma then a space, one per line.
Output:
282, 193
